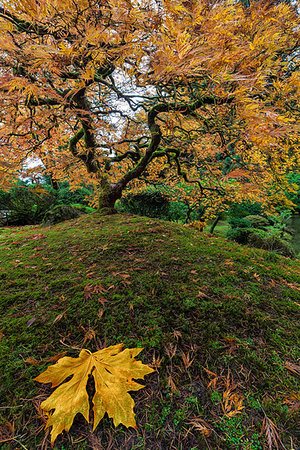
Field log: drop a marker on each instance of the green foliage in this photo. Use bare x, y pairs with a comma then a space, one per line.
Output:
66, 197
85, 209
239, 222
236, 436
60, 213
215, 397
150, 203
177, 212
257, 238
294, 178
255, 230
281, 221
4, 200
154, 202
27, 204
245, 209
261, 239
274, 244
239, 235
257, 221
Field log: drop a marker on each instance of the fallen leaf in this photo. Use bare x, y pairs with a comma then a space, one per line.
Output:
113, 370
34, 237
294, 368
30, 322
55, 358
59, 317
271, 433
201, 295
171, 384
32, 361
200, 425
89, 335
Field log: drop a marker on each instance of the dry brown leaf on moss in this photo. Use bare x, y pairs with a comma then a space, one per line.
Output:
272, 434
32, 361
199, 424
113, 370
294, 368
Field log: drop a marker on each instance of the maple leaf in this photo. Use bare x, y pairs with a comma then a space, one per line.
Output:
113, 370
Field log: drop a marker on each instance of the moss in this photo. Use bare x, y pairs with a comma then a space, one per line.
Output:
157, 285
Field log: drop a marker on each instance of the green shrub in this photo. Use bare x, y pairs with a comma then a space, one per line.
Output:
261, 239
60, 213
245, 209
239, 222
177, 212
257, 221
154, 202
257, 238
27, 205
4, 200
85, 209
150, 203
282, 220
280, 246
294, 178
239, 235
66, 197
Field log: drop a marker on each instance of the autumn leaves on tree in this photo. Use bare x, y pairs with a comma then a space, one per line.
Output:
123, 93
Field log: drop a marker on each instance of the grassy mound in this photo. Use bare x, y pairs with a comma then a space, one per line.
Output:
217, 321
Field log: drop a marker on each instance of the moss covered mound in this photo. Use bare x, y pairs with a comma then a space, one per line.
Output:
216, 319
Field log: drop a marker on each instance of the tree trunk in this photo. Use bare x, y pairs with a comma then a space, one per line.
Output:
109, 195
214, 224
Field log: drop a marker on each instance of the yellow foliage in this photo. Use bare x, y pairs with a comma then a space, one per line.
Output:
113, 370
194, 96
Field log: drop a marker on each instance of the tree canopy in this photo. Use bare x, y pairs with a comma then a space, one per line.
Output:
199, 95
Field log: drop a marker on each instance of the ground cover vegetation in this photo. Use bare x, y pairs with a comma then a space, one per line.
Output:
199, 95
218, 323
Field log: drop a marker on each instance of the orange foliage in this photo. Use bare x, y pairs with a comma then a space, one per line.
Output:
182, 93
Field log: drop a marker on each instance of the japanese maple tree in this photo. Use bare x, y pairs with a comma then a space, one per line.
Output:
200, 95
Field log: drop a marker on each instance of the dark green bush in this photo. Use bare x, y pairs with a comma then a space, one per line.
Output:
4, 200
155, 203
60, 213
239, 222
27, 205
245, 209
85, 209
146, 203
177, 212
261, 239
294, 178
239, 235
65, 196
257, 238
257, 221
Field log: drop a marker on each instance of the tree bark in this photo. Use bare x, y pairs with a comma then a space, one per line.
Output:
109, 194
214, 224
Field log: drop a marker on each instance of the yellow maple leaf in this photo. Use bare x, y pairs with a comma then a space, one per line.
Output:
113, 370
